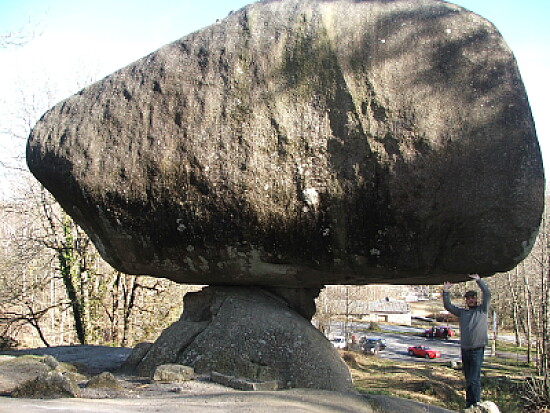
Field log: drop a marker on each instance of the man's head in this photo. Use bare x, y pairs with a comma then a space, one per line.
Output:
471, 298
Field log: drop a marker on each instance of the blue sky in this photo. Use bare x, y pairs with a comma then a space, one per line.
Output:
79, 38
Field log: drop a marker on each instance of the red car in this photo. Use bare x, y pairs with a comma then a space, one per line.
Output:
423, 351
440, 331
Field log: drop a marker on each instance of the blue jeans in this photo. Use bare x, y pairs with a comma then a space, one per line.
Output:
472, 359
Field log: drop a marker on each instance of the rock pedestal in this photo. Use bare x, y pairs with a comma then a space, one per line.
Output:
247, 333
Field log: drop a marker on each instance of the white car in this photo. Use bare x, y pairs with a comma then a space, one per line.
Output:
339, 342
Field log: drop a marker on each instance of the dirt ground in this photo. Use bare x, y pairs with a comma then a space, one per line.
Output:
200, 395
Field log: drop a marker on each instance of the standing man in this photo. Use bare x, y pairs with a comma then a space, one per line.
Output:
473, 335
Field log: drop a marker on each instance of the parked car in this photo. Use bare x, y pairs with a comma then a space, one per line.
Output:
423, 351
339, 342
439, 332
373, 345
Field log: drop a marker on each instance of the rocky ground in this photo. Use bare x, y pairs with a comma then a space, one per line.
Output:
138, 394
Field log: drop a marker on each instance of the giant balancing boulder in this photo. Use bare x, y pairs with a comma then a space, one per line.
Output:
298, 143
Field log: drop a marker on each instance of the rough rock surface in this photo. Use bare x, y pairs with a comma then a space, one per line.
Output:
105, 380
483, 407
51, 385
298, 143
89, 359
15, 371
240, 383
173, 373
247, 333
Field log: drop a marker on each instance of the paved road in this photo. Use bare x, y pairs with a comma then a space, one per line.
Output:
399, 338
397, 345
401, 329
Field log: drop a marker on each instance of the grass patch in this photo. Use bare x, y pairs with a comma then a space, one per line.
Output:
510, 347
436, 383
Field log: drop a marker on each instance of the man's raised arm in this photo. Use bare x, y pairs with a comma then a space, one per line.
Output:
447, 299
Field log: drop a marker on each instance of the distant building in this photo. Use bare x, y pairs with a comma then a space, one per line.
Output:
389, 311
386, 310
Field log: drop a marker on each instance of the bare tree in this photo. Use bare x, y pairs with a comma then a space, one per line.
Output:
72, 289
20, 283
18, 38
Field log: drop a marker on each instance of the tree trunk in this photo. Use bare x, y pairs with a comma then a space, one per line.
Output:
529, 308
515, 305
67, 269
129, 301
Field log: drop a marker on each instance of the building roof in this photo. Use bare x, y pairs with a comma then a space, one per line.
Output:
389, 306
361, 307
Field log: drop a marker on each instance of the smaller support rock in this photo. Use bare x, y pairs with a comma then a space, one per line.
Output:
52, 385
104, 380
174, 373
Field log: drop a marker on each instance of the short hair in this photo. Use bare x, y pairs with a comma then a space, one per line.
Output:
470, 293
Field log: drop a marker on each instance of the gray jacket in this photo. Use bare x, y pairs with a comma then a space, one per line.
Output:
473, 321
